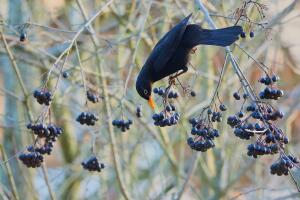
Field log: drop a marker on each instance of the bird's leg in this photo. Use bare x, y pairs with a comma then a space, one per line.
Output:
172, 78
193, 50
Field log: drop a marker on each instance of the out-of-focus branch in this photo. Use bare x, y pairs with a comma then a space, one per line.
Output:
17, 71
25, 93
135, 49
191, 170
103, 81
10, 175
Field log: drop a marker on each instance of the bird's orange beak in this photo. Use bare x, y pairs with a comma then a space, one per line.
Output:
151, 103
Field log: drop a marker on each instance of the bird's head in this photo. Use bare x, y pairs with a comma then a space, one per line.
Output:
144, 88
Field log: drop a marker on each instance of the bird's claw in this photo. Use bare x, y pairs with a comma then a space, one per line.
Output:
193, 50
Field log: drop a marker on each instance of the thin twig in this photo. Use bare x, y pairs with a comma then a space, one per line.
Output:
86, 25
9, 174
220, 80
17, 71
103, 81
135, 49
81, 72
45, 174
50, 28
192, 168
25, 93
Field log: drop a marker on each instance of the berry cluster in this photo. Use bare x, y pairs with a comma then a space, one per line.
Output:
258, 120
43, 97
262, 114
255, 150
45, 149
138, 112
168, 117
283, 165
267, 80
244, 132
31, 159
216, 116
162, 92
48, 133
203, 135
92, 164
122, 124
92, 97
269, 93
87, 118
43, 131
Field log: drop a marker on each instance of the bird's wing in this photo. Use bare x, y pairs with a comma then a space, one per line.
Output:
166, 46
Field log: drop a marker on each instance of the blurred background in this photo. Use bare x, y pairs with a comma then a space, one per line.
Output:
145, 162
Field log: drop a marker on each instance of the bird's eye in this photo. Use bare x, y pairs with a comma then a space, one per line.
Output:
145, 92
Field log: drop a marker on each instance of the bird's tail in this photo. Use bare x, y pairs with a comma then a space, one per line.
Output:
218, 37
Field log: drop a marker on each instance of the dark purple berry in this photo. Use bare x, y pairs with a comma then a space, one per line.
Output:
251, 34
243, 35
236, 96
193, 93
65, 74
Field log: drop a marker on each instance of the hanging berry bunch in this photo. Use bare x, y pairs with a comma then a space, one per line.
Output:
43, 96
283, 165
122, 124
46, 136
92, 164
258, 119
203, 133
168, 116
92, 97
31, 159
87, 118
270, 91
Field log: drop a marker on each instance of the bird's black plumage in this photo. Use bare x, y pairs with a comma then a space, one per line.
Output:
171, 53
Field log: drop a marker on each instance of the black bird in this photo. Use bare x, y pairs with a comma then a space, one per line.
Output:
171, 53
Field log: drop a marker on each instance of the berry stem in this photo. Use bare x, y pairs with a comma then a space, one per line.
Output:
103, 81
9, 174
26, 103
